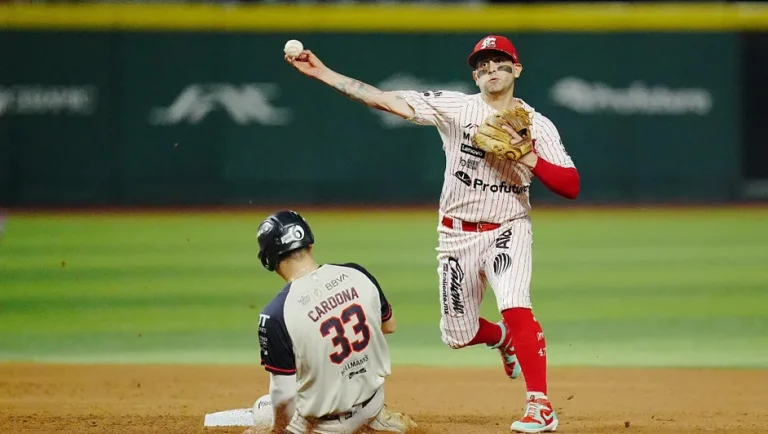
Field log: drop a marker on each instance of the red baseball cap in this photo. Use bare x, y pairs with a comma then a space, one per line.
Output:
495, 43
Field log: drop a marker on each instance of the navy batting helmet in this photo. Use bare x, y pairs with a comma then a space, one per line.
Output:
280, 234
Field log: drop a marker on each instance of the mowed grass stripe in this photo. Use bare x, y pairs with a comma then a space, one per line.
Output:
624, 285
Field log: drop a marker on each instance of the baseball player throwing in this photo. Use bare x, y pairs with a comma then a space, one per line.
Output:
322, 338
484, 225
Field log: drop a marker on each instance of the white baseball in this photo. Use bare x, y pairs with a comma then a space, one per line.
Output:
293, 48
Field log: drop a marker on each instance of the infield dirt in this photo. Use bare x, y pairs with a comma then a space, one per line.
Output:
44, 398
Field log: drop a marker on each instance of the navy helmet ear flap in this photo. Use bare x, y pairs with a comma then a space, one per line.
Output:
265, 261
267, 238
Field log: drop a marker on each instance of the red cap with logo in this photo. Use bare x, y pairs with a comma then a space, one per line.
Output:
496, 43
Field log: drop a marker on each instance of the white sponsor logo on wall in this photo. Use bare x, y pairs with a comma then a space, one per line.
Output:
410, 82
587, 97
246, 104
38, 99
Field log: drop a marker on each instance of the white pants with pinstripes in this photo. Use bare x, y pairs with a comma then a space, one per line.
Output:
468, 262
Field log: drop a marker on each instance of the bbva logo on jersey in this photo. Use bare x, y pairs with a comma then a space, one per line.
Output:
335, 282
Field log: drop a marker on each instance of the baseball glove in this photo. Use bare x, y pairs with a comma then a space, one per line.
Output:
492, 138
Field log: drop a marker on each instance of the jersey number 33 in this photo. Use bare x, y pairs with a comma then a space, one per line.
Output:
336, 325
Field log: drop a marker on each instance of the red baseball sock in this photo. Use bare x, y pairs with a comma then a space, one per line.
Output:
530, 347
489, 333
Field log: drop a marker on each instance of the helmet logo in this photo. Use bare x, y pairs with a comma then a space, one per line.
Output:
296, 234
489, 42
264, 228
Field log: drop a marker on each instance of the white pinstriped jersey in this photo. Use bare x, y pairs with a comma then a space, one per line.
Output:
480, 187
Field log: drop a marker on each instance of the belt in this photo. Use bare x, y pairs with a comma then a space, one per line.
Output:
348, 414
469, 226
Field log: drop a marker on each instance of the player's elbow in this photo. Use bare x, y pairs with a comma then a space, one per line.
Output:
389, 326
572, 193
393, 103
572, 186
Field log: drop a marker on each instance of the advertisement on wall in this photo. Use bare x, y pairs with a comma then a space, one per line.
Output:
201, 117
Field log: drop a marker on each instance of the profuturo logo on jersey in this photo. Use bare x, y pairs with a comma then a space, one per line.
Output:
407, 81
245, 104
478, 183
583, 96
463, 177
453, 279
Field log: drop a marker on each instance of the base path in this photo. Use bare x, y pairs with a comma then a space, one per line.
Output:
174, 399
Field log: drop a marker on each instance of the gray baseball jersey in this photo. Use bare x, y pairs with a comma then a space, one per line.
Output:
325, 328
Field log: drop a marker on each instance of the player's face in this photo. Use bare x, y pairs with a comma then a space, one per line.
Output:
496, 73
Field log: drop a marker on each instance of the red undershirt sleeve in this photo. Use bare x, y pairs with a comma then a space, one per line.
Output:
563, 181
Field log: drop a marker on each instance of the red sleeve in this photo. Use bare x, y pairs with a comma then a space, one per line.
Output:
560, 180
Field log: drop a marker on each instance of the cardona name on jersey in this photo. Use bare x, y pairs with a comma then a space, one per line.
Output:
332, 302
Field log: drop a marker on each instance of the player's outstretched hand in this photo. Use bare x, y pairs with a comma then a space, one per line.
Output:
307, 63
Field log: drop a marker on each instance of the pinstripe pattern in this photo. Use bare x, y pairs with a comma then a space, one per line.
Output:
453, 113
481, 188
475, 253
512, 285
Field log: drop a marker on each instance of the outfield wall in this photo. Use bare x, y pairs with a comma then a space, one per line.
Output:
132, 105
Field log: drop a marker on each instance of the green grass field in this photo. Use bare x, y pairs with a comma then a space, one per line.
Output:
611, 287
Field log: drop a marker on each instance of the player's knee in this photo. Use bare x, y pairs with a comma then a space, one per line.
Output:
456, 339
516, 303
452, 343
